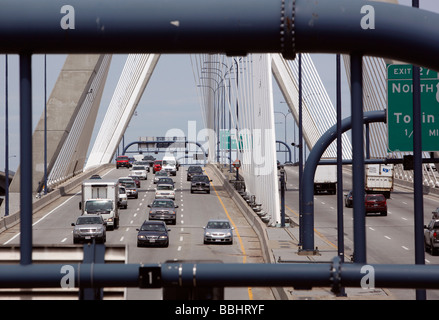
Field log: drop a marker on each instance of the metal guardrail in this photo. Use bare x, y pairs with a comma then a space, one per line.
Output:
60, 255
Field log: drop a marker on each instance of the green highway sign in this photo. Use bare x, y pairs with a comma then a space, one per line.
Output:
400, 108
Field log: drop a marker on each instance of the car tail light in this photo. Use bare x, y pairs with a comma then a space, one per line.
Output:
435, 235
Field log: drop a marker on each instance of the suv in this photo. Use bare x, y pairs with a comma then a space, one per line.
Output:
431, 236
122, 161
376, 203
200, 182
130, 187
89, 227
139, 171
157, 166
149, 159
163, 209
193, 170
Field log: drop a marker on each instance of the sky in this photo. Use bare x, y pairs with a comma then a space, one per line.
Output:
169, 101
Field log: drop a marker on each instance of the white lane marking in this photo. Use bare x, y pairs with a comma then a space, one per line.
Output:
405, 248
121, 239
46, 215
179, 248
404, 218
64, 240
387, 237
371, 228
181, 238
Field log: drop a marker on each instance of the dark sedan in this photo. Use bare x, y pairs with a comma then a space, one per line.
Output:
153, 233
348, 202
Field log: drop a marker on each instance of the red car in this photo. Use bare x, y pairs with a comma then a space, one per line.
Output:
122, 161
376, 203
157, 166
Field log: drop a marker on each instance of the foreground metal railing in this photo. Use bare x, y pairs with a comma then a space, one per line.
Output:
186, 275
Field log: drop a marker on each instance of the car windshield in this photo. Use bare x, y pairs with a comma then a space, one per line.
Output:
200, 178
88, 220
161, 173
152, 227
138, 168
163, 204
98, 205
166, 180
169, 162
164, 187
218, 225
195, 169
122, 190
129, 184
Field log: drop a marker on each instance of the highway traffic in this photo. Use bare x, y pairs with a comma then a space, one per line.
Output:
390, 239
52, 226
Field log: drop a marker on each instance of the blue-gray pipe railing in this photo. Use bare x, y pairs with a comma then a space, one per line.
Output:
334, 274
227, 26
288, 150
307, 226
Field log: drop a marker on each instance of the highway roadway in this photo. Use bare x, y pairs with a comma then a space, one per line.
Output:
53, 226
390, 239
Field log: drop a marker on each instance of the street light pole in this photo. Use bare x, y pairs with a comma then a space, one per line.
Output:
285, 127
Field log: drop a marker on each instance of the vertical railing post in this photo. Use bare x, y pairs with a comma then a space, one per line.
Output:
25, 158
340, 225
358, 158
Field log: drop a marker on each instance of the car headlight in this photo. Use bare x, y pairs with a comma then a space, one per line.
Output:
228, 234
207, 234
110, 220
141, 237
163, 237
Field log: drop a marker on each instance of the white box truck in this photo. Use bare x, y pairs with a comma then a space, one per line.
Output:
325, 179
101, 197
379, 179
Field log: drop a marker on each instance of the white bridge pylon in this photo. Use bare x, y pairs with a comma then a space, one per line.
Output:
253, 94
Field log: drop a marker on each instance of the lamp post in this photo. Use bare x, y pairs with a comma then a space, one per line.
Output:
285, 128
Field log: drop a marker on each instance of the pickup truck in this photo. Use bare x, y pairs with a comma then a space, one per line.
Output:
122, 161
200, 182
431, 236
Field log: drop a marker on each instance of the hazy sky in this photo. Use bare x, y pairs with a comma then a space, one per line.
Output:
170, 100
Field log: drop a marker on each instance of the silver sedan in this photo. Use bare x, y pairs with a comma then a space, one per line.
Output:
218, 231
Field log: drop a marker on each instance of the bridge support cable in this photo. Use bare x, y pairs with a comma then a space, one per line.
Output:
238, 104
130, 87
76, 97
318, 111
72, 156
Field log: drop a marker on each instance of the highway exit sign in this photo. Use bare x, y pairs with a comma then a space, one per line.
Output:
400, 108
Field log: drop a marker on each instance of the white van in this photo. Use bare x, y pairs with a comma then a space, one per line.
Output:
169, 164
